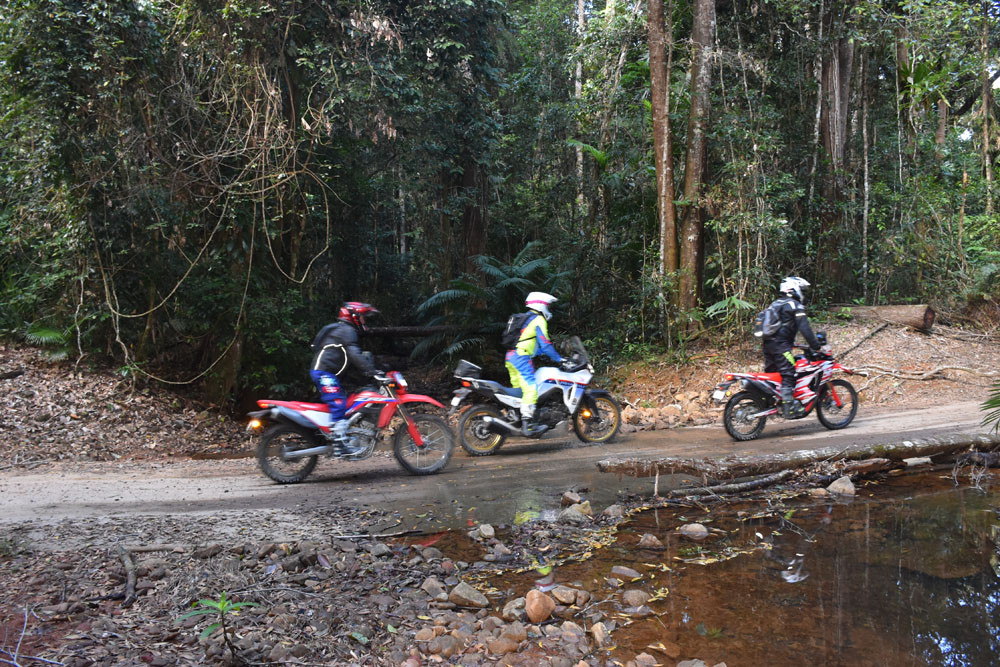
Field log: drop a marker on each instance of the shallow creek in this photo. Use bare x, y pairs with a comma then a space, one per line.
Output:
906, 573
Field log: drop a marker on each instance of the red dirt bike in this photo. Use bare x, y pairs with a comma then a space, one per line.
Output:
300, 432
757, 395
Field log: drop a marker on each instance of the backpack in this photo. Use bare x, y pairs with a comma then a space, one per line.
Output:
767, 322
512, 332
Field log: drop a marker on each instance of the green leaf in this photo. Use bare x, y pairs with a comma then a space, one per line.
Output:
209, 630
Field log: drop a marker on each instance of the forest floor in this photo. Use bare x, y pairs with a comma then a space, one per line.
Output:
331, 585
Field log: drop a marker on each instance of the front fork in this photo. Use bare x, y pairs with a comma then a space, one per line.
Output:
411, 427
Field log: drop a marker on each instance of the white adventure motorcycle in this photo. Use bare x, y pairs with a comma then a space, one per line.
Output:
563, 393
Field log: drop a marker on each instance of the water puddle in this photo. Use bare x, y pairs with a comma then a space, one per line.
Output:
907, 573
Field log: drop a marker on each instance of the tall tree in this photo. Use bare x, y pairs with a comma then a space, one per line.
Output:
659, 88
692, 243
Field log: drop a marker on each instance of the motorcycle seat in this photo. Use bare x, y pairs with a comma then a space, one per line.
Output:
498, 388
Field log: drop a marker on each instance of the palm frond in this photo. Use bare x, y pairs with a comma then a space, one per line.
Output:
44, 336
534, 265
441, 298
993, 405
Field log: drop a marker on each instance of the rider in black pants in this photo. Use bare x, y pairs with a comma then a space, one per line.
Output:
778, 356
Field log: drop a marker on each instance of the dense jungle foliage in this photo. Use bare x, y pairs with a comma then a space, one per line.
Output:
192, 187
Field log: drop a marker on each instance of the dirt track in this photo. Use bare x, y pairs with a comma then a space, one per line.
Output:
522, 476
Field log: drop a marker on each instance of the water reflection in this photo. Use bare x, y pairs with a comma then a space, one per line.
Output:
900, 578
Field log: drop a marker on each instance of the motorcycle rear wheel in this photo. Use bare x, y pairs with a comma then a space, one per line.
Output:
829, 414
272, 449
439, 444
473, 434
602, 425
738, 409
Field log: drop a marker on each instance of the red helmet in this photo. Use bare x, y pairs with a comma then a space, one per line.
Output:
354, 312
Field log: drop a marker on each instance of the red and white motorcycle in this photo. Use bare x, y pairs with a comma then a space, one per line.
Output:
753, 397
300, 432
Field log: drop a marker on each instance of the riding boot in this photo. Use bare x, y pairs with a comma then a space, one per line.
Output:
338, 433
787, 401
530, 428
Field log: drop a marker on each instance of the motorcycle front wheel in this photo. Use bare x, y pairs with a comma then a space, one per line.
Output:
433, 455
272, 454
737, 416
830, 414
600, 423
474, 434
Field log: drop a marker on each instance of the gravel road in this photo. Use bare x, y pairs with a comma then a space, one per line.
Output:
528, 475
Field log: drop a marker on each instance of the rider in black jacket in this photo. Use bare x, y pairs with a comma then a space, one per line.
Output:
336, 351
778, 356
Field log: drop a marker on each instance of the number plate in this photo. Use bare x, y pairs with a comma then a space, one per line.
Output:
455, 400
719, 395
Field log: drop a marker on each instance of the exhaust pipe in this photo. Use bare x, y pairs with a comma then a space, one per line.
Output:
500, 427
302, 453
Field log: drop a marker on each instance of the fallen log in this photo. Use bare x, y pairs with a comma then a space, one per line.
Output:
920, 317
732, 467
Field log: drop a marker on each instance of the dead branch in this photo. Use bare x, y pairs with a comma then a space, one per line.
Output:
749, 485
866, 337
925, 375
129, 565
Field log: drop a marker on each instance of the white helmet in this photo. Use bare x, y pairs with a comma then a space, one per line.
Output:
539, 302
792, 286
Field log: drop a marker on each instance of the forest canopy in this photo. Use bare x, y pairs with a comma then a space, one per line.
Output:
191, 188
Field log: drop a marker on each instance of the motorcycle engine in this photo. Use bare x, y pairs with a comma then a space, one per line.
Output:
551, 415
363, 435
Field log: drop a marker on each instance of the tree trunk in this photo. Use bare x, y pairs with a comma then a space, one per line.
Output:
835, 86
733, 467
474, 218
659, 75
919, 317
702, 40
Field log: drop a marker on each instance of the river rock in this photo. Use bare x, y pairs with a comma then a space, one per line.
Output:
635, 597
445, 646
465, 595
570, 498
572, 515
693, 531
623, 572
584, 508
692, 663
514, 610
613, 511
425, 635
502, 646
600, 633
650, 541
646, 660
434, 588
380, 549
842, 486
515, 631
564, 594
486, 531
538, 606
571, 628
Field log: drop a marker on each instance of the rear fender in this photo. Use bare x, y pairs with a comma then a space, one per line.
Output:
288, 417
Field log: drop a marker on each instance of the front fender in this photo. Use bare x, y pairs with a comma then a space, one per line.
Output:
590, 394
418, 398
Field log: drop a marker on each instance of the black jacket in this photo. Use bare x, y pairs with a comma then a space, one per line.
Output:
793, 321
336, 349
